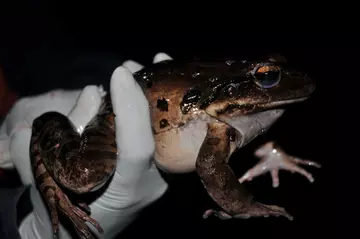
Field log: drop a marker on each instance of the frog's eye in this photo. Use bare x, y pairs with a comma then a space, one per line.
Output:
267, 76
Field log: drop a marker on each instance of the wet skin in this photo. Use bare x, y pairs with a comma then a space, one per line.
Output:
201, 112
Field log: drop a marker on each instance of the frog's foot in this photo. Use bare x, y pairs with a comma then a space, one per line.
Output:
272, 160
84, 206
77, 216
255, 209
51, 202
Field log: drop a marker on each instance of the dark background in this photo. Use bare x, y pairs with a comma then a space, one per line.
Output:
49, 49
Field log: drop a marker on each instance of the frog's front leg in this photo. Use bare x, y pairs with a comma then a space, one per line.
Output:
222, 184
273, 158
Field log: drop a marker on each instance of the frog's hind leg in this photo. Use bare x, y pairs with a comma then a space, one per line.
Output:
56, 199
46, 185
272, 160
222, 184
49, 192
77, 216
83, 215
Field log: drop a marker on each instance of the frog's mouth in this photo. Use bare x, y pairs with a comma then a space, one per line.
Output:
240, 107
251, 120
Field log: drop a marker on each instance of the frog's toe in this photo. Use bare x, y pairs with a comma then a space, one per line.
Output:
262, 210
273, 160
304, 162
85, 207
254, 209
54, 218
291, 164
79, 224
85, 217
77, 217
220, 214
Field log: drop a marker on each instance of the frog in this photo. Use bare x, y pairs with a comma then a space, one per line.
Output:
201, 112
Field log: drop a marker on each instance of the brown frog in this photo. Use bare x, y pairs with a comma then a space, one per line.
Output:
201, 112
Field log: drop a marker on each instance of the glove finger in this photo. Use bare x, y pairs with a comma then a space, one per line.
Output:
86, 106
19, 150
133, 128
132, 66
5, 159
161, 57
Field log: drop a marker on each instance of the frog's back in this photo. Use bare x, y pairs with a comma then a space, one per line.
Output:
191, 73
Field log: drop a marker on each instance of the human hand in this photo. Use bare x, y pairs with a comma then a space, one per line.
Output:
136, 182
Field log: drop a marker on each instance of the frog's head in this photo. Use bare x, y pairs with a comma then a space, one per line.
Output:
248, 95
254, 94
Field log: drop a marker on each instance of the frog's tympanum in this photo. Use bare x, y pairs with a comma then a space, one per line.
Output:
201, 112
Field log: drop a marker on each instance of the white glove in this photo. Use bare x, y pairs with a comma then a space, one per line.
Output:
136, 182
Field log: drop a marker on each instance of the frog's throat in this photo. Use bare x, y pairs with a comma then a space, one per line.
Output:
256, 121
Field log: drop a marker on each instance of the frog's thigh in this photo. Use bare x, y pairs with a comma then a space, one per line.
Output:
215, 173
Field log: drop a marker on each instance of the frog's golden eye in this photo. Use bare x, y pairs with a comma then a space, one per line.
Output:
267, 76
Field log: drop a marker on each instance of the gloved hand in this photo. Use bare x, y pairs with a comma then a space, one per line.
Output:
136, 182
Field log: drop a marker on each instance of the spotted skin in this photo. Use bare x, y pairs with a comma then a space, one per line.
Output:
63, 159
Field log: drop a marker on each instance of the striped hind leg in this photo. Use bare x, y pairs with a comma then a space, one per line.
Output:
49, 196
47, 188
56, 199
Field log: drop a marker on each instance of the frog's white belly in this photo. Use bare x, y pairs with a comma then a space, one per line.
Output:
176, 150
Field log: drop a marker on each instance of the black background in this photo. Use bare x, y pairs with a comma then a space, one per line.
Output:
49, 49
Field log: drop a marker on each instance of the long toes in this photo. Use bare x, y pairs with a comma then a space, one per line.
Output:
81, 214
73, 214
297, 169
277, 211
305, 162
85, 233
220, 214
255, 209
275, 177
246, 177
208, 213
85, 207
81, 228
252, 173
79, 225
